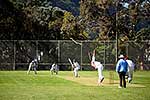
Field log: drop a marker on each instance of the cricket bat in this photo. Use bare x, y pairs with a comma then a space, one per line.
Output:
29, 68
70, 62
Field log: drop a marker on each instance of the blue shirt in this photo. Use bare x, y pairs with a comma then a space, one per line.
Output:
122, 66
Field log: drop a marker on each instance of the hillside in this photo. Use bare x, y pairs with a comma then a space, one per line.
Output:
34, 19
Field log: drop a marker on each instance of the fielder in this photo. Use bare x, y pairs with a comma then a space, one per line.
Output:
33, 64
131, 66
99, 66
54, 69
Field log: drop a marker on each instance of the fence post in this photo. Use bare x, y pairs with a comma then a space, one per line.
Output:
81, 55
14, 63
116, 46
36, 48
58, 59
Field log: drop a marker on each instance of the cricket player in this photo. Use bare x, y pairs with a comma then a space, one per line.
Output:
121, 69
54, 69
33, 64
131, 66
97, 65
76, 68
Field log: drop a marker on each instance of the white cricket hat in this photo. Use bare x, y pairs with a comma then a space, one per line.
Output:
121, 56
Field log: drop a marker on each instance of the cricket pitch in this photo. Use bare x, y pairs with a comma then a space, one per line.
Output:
90, 81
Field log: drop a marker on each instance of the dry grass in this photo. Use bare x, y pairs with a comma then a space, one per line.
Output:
92, 81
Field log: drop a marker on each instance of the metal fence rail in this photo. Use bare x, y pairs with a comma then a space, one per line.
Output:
17, 54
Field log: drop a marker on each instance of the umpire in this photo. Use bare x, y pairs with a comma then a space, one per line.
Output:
121, 69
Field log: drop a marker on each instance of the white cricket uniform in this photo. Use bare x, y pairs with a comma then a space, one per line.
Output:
33, 65
77, 67
54, 69
99, 67
93, 58
130, 69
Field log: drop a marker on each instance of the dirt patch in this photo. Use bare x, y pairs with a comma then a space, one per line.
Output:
90, 81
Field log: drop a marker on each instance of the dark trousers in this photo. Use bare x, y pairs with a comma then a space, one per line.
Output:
122, 79
34, 68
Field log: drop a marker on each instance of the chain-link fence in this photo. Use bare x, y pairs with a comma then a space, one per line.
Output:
17, 54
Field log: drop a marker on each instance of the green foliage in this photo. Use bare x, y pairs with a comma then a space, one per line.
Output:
70, 27
33, 19
98, 19
68, 24
123, 22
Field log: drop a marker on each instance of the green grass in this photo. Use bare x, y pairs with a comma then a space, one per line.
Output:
17, 85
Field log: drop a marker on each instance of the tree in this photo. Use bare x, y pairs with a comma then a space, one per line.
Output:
71, 28
99, 18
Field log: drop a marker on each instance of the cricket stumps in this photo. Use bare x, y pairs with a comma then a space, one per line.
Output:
111, 77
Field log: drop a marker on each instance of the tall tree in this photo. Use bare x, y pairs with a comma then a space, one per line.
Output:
99, 18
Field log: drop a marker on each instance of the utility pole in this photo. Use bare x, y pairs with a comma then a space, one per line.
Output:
116, 32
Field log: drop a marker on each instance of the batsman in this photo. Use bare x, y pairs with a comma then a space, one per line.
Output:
75, 65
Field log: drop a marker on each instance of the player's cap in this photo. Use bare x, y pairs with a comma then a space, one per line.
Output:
121, 56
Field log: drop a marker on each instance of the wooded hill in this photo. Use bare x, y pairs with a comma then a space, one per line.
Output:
82, 20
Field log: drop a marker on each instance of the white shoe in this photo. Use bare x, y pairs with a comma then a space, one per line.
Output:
119, 87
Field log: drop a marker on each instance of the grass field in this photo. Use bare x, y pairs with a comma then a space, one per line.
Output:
17, 85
